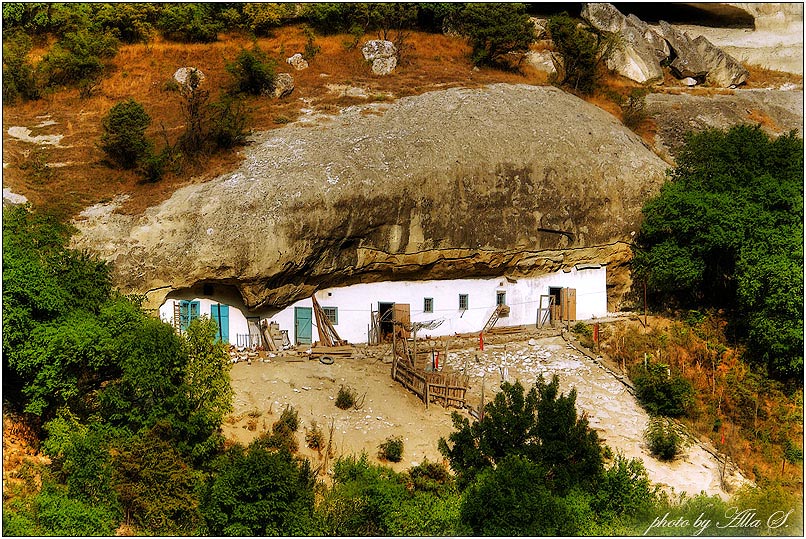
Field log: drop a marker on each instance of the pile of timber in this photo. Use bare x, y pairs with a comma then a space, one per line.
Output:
505, 330
332, 351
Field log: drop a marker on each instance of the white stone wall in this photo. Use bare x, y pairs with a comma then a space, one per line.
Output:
355, 302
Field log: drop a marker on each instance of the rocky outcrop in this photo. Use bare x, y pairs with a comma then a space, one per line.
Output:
509, 179
541, 61
185, 77
699, 59
381, 54
632, 55
283, 85
297, 62
777, 111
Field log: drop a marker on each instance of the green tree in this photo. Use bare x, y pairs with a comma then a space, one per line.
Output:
726, 231
124, 133
580, 51
513, 500
496, 32
252, 72
78, 58
661, 391
156, 487
189, 23
257, 491
19, 76
541, 425
129, 22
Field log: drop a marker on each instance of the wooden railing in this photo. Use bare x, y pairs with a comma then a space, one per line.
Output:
446, 388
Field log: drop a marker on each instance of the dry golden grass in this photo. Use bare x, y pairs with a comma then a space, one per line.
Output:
68, 178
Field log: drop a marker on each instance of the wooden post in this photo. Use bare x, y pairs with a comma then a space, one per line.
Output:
414, 359
427, 396
445, 359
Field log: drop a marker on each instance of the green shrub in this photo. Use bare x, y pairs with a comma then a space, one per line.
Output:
252, 72
189, 23
229, 123
19, 76
579, 51
60, 514
633, 108
311, 48
331, 17
624, 490
262, 18
78, 58
288, 418
496, 31
662, 438
660, 391
123, 138
513, 499
129, 22
391, 449
430, 477
314, 437
345, 398
257, 491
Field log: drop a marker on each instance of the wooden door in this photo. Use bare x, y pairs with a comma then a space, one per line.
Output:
403, 314
303, 324
220, 313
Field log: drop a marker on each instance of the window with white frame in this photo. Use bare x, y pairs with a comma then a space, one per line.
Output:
463, 302
332, 314
428, 305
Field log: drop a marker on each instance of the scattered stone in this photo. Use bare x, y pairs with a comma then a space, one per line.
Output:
541, 61
283, 85
298, 62
382, 54
688, 81
183, 77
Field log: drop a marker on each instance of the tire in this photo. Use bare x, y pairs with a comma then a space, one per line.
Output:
326, 360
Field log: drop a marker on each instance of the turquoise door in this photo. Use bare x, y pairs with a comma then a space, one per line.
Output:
220, 313
302, 324
188, 311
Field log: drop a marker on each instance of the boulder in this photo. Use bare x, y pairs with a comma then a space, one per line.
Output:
183, 77
381, 54
632, 56
541, 27
384, 66
298, 62
458, 183
541, 61
699, 59
283, 85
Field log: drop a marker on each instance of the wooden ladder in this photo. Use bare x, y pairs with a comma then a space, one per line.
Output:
177, 317
493, 318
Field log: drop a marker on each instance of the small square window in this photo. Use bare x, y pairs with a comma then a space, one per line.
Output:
332, 314
500, 298
463, 303
428, 305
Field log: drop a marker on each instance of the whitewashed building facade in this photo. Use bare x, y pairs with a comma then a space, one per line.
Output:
462, 305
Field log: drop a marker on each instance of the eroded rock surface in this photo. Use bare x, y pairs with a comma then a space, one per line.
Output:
455, 183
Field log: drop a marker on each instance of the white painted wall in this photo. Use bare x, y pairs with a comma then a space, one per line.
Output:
355, 302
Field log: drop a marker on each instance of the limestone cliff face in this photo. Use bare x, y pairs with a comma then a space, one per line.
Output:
456, 183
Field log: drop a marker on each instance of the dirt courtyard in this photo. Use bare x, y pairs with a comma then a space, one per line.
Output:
263, 388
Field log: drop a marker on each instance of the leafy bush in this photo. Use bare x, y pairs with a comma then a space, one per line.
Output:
331, 17
633, 108
129, 22
430, 477
78, 58
579, 50
314, 437
513, 499
60, 514
541, 425
289, 418
19, 76
391, 449
155, 485
311, 48
229, 123
497, 31
624, 490
726, 231
262, 18
189, 23
252, 72
345, 398
663, 440
123, 138
257, 491
660, 391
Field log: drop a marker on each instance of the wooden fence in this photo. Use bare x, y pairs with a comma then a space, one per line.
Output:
447, 389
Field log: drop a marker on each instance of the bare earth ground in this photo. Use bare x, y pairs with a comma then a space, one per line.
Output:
390, 410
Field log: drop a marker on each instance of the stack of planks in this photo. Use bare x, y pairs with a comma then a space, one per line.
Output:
332, 351
327, 333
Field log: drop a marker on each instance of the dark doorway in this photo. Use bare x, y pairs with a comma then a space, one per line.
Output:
386, 316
